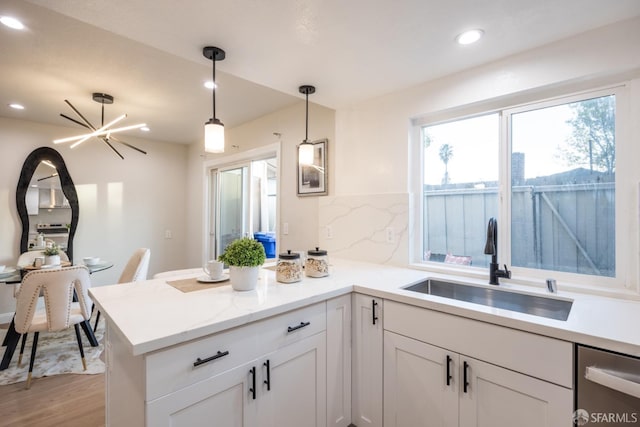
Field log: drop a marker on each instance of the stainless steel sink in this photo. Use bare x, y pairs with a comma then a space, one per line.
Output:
552, 308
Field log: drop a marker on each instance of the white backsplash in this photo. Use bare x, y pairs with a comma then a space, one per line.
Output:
360, 225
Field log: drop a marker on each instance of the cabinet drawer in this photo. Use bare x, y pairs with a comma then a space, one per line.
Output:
173, 369
542, 357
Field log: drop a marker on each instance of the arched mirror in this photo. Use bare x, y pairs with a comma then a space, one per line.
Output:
47, 201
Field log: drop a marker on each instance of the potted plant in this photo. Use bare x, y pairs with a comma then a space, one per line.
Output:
244, 257
52, 255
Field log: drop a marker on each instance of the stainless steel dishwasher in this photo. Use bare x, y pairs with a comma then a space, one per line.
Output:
607, 389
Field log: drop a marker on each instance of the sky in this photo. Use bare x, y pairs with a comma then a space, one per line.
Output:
536, 133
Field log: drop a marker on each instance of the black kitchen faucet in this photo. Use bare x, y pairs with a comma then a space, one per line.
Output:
491, 248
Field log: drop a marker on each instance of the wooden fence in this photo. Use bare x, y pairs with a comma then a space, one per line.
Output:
553, 227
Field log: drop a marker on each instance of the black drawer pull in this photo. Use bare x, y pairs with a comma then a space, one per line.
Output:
199, 361
449, 370
300, 326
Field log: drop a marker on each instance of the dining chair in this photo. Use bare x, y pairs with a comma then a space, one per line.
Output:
135, 271
26, 259
58, 288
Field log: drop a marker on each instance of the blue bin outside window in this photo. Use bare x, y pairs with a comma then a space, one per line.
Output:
268, 240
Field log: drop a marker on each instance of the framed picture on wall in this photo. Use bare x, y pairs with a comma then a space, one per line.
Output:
312, 179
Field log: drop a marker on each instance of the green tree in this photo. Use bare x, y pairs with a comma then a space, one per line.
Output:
592, 141
446, 153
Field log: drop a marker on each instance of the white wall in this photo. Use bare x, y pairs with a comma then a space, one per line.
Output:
124, 204
301, 213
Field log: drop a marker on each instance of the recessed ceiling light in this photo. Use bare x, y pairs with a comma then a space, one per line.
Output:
16, 106
209, 84
469, 37
145, 129
11, 22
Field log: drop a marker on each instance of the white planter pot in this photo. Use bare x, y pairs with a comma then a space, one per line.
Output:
52, 260
243, 278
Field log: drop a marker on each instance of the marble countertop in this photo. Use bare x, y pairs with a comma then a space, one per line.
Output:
152, 314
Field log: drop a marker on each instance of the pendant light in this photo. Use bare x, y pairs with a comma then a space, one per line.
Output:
305, 149
214, 129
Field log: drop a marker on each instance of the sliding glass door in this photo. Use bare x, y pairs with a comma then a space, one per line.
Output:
243, 200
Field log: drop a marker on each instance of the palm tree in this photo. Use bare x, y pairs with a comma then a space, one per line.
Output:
446, 153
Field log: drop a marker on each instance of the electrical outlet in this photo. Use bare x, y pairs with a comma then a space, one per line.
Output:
390, 235
328, 232
168, 234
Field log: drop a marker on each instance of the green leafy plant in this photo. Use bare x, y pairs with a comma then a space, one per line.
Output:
244, 252
52, 250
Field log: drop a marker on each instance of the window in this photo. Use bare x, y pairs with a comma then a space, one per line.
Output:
546, 171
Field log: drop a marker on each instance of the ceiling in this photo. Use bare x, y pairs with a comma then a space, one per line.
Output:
148, 54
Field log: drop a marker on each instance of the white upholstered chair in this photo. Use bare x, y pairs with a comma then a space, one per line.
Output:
137, 268
59, 312
26, 259
135, 271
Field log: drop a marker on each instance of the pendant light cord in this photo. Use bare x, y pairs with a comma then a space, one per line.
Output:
214, 85
306, 129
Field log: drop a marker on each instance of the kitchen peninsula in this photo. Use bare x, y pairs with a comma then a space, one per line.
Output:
175, 357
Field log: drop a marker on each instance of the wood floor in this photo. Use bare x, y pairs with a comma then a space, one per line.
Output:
61, 400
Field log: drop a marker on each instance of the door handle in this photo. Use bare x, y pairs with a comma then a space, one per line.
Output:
465, 381
373, 311
449, 377
613, 380
252, 390
268, 380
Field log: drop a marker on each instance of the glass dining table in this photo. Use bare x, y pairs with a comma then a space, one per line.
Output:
14, 275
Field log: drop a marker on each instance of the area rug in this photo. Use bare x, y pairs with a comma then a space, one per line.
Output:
57, 353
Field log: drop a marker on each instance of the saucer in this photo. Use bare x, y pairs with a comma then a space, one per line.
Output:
207, 279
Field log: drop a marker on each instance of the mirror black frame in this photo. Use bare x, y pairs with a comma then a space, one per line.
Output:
68, 188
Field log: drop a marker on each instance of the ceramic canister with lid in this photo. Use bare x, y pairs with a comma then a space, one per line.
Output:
317, 264
289, 268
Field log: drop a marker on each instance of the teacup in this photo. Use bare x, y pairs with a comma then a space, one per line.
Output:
213, 269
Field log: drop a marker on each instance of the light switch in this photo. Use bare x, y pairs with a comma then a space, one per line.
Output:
168, 234
285, 228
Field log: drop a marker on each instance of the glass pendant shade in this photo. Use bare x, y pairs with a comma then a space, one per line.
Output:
305, 153
214, 136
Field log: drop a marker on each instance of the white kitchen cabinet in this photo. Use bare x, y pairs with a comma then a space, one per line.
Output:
32, 200
225, 398
292, 385
367, 366
498, 397
287, 356
415, 384
284, 388
339, 361
424, 350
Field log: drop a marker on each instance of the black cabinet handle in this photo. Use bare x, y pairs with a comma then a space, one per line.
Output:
465, 367
300, 326
268, 380
449, 370
199, 361
373, 311
252, 390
